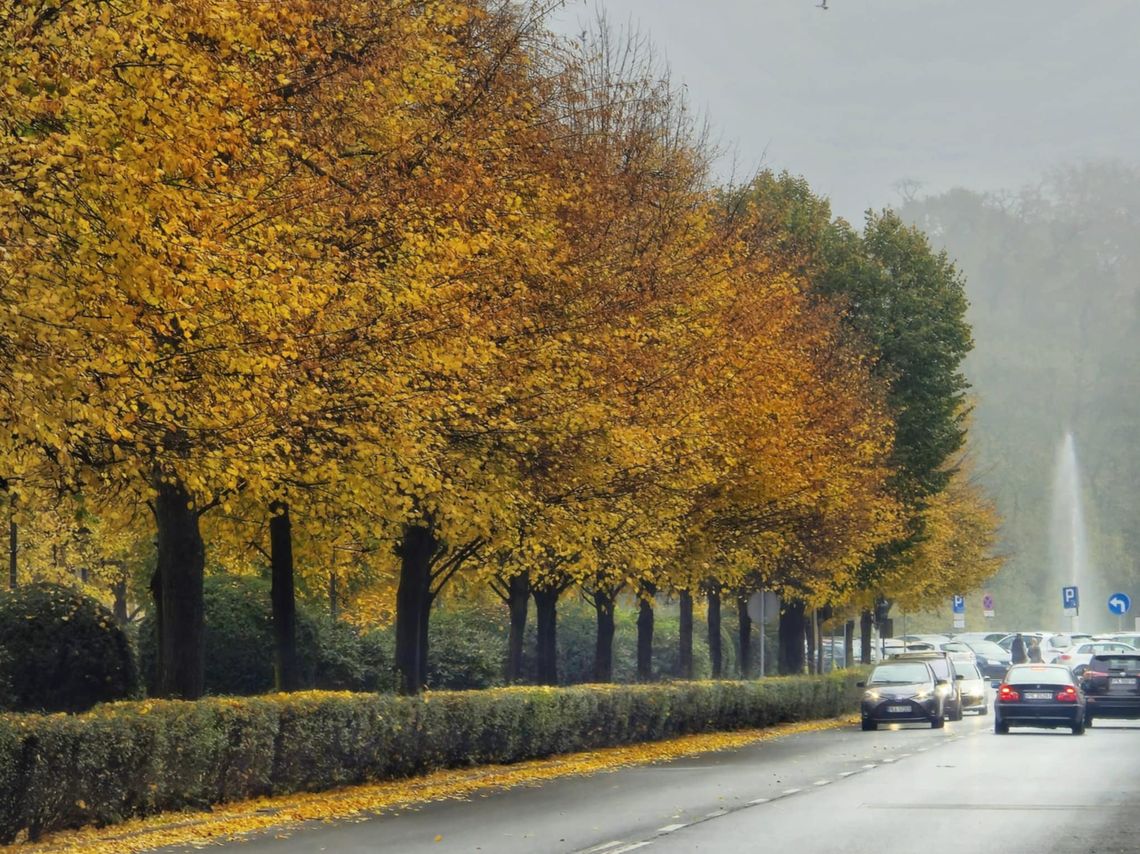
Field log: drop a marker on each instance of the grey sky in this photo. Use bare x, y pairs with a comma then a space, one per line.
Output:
983, 94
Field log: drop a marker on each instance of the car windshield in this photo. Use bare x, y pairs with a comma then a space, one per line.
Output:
1034, 674
940, 667
968, 670
900, 673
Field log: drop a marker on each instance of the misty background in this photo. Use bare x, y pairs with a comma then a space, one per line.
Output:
1008, 132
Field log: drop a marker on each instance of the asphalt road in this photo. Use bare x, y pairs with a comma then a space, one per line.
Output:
908, 789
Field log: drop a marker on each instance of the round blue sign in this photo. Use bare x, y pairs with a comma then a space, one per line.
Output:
1119, 603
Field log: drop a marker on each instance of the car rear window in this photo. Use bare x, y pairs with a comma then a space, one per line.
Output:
1041, 673
1116, 663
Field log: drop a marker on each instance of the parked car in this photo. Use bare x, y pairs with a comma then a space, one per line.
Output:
943, 666
980, 636
991, 659
1039, 695
1054, 645
972, 687
1077, 658
1006, 642
903, 692
1111, 685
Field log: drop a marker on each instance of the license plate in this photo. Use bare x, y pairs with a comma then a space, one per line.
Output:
898, 710
1123, 681
1038, 695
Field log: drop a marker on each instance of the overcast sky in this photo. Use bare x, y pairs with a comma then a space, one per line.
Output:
984, 94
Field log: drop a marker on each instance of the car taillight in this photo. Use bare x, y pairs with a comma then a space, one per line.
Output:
1066, 657
1092, 674
1068, 694
1006, 692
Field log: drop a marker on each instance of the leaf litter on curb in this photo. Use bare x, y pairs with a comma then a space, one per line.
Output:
283, 815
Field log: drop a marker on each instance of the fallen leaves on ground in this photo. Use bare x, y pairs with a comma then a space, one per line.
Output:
284, 814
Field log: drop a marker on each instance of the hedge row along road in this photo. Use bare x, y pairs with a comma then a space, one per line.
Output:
132, 759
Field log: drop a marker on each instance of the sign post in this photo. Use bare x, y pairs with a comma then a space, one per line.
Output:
958, 605
987, 606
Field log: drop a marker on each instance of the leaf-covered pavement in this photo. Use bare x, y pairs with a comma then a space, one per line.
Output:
284, 814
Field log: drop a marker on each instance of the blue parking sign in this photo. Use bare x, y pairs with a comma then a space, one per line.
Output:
959, 604
1070, 597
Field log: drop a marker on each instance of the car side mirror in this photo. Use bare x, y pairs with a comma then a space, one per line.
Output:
941, 682
860, 684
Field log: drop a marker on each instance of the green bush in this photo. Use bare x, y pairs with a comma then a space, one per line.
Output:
333, 655
467, 647
137, 758
60, 651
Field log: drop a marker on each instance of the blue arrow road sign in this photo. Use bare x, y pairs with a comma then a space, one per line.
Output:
1119, 603
959, 604
1070, 598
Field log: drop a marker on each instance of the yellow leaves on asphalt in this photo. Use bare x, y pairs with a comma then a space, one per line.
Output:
281, 815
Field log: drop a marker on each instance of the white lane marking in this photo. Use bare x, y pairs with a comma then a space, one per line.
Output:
791, 791
887, 759
903, 755
847, 773
868, 767
716, 813
821, 782
605, 846
758, 801
669, 828
632, 847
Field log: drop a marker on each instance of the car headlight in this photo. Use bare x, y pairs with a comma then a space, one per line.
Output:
923, 694
870, 695
943, 690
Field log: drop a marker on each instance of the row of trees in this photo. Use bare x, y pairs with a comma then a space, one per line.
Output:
376, 289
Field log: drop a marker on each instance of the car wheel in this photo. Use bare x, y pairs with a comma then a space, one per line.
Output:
958, 715
1000, 727
937, 723
1088, 720
870, 726
1079, 728
984, 710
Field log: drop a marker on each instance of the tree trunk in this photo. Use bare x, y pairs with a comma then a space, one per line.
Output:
156, 595
791, 634
716, 656
809, 641
518, 598
546, 628
744, 660
849, 643
645, 636
181, 568
286, 672
13, 544
604, 639
412, 600
119, 609
685, 634
865, 621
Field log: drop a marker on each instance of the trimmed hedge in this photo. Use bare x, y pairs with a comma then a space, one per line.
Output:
137, 758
